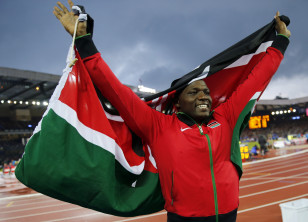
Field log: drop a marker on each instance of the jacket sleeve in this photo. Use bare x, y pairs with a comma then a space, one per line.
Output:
243, 98
136, 113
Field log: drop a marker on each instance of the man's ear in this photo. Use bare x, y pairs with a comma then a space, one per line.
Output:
176, 101
177, 105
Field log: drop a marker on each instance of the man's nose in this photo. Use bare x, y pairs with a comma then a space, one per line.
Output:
202, 95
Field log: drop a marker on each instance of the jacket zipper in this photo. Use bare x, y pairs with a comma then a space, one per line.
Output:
212, 174
212, 169
211, 166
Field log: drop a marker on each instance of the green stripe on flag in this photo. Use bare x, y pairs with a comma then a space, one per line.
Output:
241, 123
73, 170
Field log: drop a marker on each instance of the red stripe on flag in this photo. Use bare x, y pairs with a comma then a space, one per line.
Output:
220, 83
79, 94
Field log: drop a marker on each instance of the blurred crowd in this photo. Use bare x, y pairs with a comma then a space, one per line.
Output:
278, 130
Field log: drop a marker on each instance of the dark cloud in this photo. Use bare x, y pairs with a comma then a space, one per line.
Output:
161, 78
151, 40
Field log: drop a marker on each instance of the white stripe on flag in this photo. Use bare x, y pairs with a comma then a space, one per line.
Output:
95, 137
87, 133
113, 117
255, 97
154, 101
151, 158
244, 60
56, 94
158, 108
205, 73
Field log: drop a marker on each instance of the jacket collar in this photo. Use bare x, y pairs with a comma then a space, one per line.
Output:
190, 121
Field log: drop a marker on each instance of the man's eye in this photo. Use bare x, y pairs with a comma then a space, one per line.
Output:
192, 92
206, 92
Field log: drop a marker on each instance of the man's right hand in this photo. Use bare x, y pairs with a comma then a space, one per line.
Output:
68, 19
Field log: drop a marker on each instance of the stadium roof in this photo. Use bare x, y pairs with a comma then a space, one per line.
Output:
283, 102
22, 85
278, 103
20, 89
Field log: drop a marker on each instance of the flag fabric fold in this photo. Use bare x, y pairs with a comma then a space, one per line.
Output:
74, 154
83, 154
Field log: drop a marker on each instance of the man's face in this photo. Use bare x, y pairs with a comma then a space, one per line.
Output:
195, 101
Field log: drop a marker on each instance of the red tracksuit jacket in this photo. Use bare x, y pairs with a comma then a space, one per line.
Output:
197, 176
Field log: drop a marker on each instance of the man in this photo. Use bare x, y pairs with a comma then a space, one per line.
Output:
262, 141
198, 179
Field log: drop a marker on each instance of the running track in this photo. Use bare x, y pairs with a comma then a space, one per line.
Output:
265, 184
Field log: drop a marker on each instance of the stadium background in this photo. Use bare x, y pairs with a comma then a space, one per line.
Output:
24, 96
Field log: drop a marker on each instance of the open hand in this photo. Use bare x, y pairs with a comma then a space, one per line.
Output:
68, 19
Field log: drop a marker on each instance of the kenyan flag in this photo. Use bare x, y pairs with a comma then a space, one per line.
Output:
75, 155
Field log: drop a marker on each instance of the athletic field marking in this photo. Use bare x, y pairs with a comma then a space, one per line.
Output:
9, 204
161, 213
260, 174
270, 190
164, 212
276, 163
277, 157
20, 197
31, 215
241, 211
18, 204
270, 168
273, 203
279, 172
273, 180
34, 208
83, 215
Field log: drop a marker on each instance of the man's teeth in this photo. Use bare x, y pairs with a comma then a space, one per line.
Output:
202, 106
